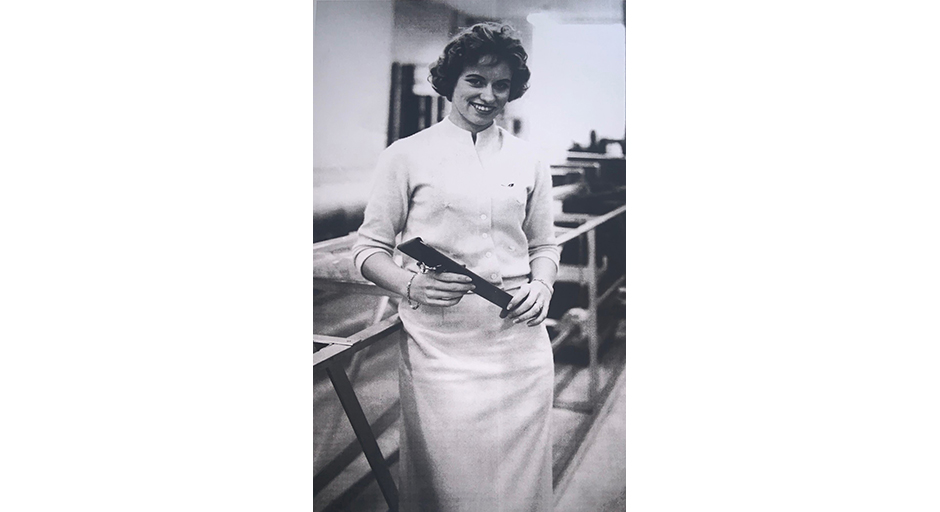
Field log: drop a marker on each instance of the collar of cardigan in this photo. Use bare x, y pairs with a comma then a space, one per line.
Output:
485, 138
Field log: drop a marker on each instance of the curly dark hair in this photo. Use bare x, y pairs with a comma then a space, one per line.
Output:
483, 43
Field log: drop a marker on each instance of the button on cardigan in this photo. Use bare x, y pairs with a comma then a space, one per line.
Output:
486, 204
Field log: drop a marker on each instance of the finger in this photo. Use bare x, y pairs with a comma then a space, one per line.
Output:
540, 318
518, 297
526, 311
531, 314
451, 282
445, 302
460, 288
451, 277
522, 312
448, 293
527, 303
539, 306
446, 278
446, 296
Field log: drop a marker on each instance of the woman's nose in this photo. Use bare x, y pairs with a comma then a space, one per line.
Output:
487, 94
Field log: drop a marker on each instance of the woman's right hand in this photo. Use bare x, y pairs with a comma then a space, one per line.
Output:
439, 288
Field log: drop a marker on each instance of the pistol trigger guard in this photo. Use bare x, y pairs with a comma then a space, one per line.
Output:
427, 268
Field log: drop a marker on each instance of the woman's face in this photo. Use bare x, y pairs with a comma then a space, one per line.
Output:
481, 92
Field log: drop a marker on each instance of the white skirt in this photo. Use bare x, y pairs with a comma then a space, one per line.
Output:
476, 398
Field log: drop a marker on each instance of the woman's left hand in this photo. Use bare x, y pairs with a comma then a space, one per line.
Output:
529, 304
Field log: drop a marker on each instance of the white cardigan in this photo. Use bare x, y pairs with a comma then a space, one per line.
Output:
488, 205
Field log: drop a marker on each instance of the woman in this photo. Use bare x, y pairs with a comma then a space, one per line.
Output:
476, 383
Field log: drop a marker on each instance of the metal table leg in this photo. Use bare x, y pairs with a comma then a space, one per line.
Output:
592, 334
360, 426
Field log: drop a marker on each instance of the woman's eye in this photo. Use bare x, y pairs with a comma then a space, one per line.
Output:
501, 87
474, 82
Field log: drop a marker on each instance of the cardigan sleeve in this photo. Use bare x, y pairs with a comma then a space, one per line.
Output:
539, 224
386, 210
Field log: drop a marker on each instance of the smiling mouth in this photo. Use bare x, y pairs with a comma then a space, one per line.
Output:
483, 109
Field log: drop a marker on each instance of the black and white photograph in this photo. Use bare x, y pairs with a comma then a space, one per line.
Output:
469, 205
567, 255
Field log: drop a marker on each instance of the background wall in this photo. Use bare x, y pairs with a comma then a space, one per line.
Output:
421, 31
352, 57
352, 54
578, 84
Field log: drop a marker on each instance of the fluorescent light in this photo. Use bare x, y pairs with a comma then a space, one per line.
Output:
541, 18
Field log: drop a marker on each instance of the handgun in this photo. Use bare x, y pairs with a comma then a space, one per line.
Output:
431, 257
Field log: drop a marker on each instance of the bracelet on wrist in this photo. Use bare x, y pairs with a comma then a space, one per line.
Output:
411, 302
551, 289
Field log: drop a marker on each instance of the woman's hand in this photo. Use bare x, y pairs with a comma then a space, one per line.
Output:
439, 288
529, 304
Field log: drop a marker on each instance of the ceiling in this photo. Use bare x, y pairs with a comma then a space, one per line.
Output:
568, 10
